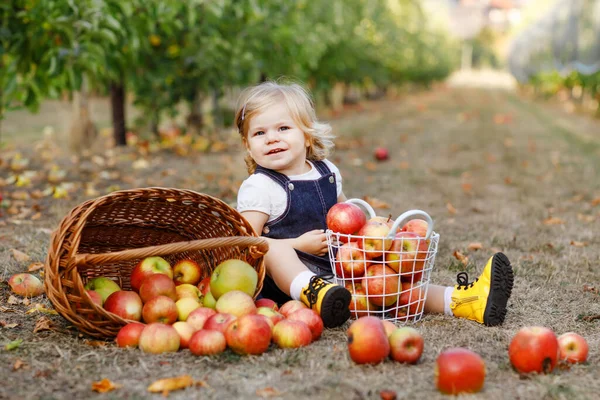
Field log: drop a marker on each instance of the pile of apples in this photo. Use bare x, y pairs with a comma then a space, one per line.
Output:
384, 275
172, 308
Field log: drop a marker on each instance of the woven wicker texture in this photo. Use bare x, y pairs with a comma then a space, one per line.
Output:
109, 235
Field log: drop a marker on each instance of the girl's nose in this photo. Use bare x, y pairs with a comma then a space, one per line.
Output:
272, 136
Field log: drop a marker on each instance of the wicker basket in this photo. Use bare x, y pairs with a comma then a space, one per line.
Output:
109, 235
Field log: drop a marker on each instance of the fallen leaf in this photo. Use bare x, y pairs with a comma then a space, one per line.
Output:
12, 300
578, 244
461, 257
404, 165
43, 324
595, 202
95, 343
376, 203
508, 180
371, 166
553, 221
167, 385
5, 324
19, 255
13, 345
35, 266
474, 246
586, 218
37, 307
268, 392
104, 386
490, 158
451, 208
467, 187
19, 364
591, 289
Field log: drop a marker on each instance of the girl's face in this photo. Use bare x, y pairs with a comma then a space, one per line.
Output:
276, 142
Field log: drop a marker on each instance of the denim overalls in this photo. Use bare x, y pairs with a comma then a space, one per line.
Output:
308, 202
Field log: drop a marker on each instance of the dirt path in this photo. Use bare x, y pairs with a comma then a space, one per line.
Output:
489, 167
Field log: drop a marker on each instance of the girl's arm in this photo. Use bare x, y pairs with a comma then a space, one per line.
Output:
341, 198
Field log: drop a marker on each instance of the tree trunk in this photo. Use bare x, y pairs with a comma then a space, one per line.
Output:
117, 101
82, 132
195, 121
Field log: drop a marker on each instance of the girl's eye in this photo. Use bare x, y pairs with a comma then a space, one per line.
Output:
258, 133
284, 128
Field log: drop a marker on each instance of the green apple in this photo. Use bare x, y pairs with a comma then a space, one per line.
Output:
103, 286
209, 301
233, 275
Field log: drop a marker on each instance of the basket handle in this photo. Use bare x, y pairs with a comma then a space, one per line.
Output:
409, 215
365, 205
258, 248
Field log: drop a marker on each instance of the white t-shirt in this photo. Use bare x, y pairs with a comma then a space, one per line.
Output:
261, 193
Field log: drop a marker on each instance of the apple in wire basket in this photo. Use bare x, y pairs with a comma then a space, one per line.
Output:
345, 218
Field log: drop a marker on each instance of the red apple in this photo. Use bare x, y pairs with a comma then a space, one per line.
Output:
291, 334
197, 318
185, 331
407, 255
350, 261
103, 286
207, 343
186, 271
235, 302
290, 306
185, 306
345, 218
459, 370
389, 327
573, 348
264, 302
406, 345
533, 349
367, 341
187, 290
232, 275
417, 226
311, 318
381, 284
272, 315
204, 285
149, 266
219, 322
124, 303
381, 154
159, 309
26, 285
157, 285
129, 335
249, 334
375, 242
360, 305
159, 338
412, 298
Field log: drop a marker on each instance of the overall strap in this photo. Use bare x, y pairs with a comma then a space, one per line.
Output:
281, 179
322, 167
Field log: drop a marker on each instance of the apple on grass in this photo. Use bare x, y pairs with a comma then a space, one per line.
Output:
350, 261
129, 335
185, 331
533, 349
459, 370
290, 306
219, 322
367, 341
186, 271
272, 315
311, 318
249, 334
381, 283
381, 154
157, 285
185, 306
207, 343
235, 302
389, 327
149, 266
160, 309
159, 338
573, 348
233, 275
374, 242
345, 218
291, 334
197, 318
406, 345
264, 302
124, 303
103, 286
26, 285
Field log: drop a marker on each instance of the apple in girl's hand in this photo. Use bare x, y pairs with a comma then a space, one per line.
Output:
290, 306
533, 349
185, 331
406, 345
249, 334
207, 343
231, 275
417, 226
186, 271
149, 266
124, 303
381, 154
187, 290
311, 319
345, 218
274, 316
407, 255
459, 370
159, 338
573, 348
26, 285
367, 341
350, 261
157, 285
235, 302
374, 243
129, 335
198, 317
219, 322
185, 306
381, 284
103, 286
264, 302
359, 303
290, 334
160, 309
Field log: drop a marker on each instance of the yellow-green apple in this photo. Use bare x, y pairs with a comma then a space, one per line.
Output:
27, 285
388, 326
311, 319
272, 315
345, 218
129, 335
381, 154
350, 261
149, 266
159, 309
407, 255
386, 220
381, 283
188, 290
186, 271
103, 286
159, 338
264, 302
219, 322
204, 285
459, 370
367, 341
411, 297
359, 303
249, 334
533, 349
157, 285
209, 301
291, 334
198, 317
235, 302
185, 306
374, 242
573, 348
207, 343
185, 332
417, 226
233, 275
124, 303
406, 345
290, 306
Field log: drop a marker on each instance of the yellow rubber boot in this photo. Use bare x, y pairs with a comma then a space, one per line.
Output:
331, 301
485, 299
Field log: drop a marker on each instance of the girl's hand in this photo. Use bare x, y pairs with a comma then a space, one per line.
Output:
312, 242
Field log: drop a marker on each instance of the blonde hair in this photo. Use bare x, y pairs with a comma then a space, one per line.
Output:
256, 99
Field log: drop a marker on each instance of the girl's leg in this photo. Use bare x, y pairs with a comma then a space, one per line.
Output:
435, 299
283, 265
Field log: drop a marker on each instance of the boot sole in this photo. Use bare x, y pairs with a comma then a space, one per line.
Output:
500, 290
334, 307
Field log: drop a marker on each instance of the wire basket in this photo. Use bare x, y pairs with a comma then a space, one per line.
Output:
109, 235
388, 276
